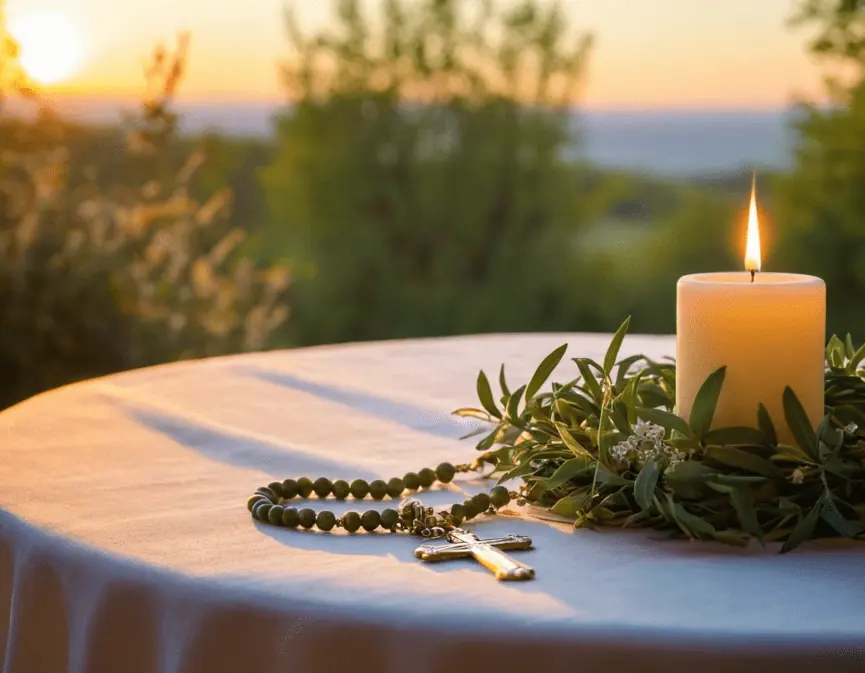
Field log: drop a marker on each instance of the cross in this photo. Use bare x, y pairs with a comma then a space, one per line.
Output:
488, 552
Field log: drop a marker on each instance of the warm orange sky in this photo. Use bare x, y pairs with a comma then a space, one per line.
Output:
648, 53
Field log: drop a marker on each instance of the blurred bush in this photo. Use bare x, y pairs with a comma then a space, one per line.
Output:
108, 270
420, 185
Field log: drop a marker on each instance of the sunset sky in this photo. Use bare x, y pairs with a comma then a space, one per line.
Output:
648, 53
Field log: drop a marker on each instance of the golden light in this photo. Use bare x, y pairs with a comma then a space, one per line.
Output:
50, 46
752, 241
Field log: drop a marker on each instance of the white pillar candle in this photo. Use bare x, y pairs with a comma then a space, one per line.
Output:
768, 329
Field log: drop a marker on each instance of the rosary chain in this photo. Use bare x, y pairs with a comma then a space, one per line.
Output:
271, 503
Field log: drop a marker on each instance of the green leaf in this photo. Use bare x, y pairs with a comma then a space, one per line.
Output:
566, 471
743, 460
589, 380
703, 410
747, 436
792, 453
743, 503
857, 358
770, 437
615, 345
848, 346
514, 403
804, 529
732, 537
503, 384
830, 514
691, 524
542, 373
571, 505
625, 365
665, 419
689, 470
645, 484
798, 422
467, 412
485, 395
568, 439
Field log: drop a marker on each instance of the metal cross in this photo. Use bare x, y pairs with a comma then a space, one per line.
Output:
488, 552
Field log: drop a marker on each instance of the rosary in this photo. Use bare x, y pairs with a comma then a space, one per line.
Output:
270, 504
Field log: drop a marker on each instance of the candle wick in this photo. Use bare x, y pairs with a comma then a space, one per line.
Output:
753, 274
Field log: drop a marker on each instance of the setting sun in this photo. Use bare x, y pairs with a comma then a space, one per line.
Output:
50, 44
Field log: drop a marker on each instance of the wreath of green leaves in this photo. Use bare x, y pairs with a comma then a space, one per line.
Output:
729, 485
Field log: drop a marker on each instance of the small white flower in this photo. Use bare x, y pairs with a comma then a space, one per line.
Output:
798, 477
851, 428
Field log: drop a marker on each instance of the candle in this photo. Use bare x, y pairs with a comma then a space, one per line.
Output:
768, 329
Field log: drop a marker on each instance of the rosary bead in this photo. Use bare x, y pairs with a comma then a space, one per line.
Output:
254, 499
445, 472
359, 488
306, 517
370, 520
377, 489
389, 518
325, 520
427, 477
289, 489
481, 501
322, 487
340, 489
411, 481
395, 487
471, 510
274, 515
267, 493
290, 518
351, 521
304, 487
499, 497
276, 487
261, 509
458, 511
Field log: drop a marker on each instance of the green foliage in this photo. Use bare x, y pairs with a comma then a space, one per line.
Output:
420, 186
123, 263
580, 455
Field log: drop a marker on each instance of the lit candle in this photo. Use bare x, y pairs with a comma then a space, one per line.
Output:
769, 329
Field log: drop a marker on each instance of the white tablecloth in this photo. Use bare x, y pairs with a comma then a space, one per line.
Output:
126, 546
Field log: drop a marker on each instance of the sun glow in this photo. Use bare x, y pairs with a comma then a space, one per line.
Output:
50, 46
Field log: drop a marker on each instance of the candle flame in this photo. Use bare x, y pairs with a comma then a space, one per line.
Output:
752, 242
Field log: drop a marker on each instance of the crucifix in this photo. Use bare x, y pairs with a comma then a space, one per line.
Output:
488, 552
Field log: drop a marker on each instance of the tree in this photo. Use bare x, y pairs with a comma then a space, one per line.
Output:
821, 203
420, 183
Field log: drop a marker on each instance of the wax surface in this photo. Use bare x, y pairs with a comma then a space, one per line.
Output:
770, 334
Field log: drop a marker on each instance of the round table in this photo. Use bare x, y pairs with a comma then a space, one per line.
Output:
126, 545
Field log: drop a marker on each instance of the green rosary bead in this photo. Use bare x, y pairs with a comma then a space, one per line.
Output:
290, 519
276, 487
359, 488
289, 489
471, 511
370, 520
351, 521
377, 489
274, 515
267, 493
395, 487
458, 511
411, 481
482, 502
341, 489
254, 499
427, 477
261, 509
322, 487
304, 487
389, 518
306, 517
445, 473
499, 497
325, 520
